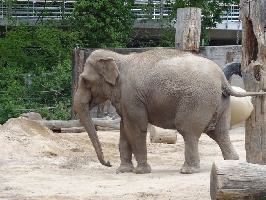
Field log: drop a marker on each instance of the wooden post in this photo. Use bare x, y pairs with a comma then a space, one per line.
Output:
79, 57
188, 29
253, 15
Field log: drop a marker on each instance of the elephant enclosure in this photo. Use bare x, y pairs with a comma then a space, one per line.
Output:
36, 163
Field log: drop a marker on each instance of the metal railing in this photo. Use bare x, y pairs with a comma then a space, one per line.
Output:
51, 9
32, 10
151, 10
232, 14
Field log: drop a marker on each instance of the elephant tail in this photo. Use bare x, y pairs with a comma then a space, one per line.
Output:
229, 91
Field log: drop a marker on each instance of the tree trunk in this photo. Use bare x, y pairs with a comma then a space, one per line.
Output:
253, 15
188, 29
238, 180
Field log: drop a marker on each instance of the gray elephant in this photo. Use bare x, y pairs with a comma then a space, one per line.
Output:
164, 87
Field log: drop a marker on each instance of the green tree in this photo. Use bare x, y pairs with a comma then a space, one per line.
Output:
103, 23
35, 71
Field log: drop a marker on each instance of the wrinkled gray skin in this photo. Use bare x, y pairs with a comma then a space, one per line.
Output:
166, 88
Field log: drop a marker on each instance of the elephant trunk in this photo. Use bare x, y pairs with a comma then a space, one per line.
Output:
82, 110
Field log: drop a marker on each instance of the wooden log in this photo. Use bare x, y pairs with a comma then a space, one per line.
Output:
237, 180
188, 29
160, 135
82, 129
253, 67
57, 125
72, 130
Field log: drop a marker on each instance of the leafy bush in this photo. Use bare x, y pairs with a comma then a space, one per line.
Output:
103, 23
35, 72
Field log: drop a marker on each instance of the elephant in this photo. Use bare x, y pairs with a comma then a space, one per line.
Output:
167, 88
232, 68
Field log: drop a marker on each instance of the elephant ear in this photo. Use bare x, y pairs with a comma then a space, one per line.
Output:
108, 69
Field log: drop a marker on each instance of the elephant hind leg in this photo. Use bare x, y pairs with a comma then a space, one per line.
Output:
192, 160
221, 136
223, 140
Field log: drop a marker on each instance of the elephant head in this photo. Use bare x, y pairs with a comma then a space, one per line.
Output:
95, 82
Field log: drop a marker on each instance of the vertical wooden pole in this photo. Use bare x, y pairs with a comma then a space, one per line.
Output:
253, 15
188, 29
78, 57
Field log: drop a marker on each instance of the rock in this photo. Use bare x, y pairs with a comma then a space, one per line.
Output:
32, 116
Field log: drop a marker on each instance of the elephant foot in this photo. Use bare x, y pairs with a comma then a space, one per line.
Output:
142, 169
189, 169
125, 168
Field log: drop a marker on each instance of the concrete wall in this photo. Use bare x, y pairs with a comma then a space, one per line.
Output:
222, 55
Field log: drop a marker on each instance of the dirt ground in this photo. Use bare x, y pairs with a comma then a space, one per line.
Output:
38, 164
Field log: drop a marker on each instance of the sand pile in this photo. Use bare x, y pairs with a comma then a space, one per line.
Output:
20, 136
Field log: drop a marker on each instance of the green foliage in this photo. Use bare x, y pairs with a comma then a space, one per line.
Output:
35, 72
103, 23
166, 39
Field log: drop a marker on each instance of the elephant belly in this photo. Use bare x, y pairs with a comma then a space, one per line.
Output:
162, 119
182, 113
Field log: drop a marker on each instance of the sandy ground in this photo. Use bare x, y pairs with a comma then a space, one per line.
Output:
38, 164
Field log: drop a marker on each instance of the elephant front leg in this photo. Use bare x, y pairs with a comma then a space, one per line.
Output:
125, 152
192, 161
140, 153
137, 140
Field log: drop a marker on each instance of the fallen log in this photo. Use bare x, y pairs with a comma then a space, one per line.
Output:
82, 129
58, 125
72, 130
237, 180
160, 135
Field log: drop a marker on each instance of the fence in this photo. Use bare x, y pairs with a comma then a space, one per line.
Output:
32, 10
